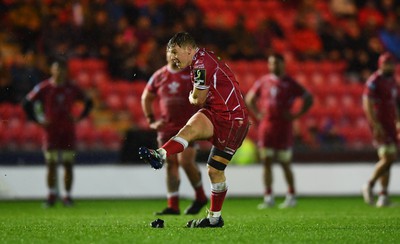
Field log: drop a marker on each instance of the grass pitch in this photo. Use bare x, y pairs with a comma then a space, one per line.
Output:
314, 220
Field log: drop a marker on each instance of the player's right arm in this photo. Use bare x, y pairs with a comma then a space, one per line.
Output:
28, 105
147, 100
251, 101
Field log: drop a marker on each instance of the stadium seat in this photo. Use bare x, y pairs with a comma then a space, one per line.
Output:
279, 45
75, 66
99, 77
351, 107
13, 134
137, 87
32, 137
83, 79
114, 102
5, 111
259, 67
94, 65
110, 139
247, 81
3, 131
303, 79
85, 136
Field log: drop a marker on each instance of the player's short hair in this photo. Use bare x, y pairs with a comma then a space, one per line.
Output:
61, 61
182, 39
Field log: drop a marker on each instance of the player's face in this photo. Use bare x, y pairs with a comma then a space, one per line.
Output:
275, 65
181, 56
58, 72
170, 61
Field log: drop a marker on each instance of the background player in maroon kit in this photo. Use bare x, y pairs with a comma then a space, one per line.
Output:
276, 93
171, 86
57, 97
223, 119
380, 103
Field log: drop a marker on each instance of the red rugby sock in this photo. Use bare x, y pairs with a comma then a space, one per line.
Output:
200, 195
217, 200
173, 202
173, 147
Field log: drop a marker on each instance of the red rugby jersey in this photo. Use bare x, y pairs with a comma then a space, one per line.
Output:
224, 97
276, 95
172, 89
57, 101
384, 91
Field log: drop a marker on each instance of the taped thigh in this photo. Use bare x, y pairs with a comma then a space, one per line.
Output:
51, 156
387, 149
218, 159
67, 156
266, 153
285, 156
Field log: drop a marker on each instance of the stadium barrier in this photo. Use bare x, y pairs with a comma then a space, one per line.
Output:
140, 181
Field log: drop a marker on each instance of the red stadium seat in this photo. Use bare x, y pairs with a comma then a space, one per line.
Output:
100, 77
9, 111
75, 66
13, 133
351, 107
94, 65
110, 139
83, 79
85, 136
32, 137
115, 102
137, 87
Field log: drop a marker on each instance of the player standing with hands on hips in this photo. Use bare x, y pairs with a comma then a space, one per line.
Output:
57, 96
171, 86
223, 119
380, 103
277, 92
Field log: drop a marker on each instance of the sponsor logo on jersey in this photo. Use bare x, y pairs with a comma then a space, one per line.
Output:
199, 77
221, 141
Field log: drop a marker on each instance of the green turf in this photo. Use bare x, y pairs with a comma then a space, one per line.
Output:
314, 220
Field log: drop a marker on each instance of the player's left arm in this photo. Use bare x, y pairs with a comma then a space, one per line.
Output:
308, 101
198, 95
88, 106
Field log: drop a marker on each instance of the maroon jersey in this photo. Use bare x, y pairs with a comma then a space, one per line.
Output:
384, 91
172, 89
224, 98
276, 95
57, 102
